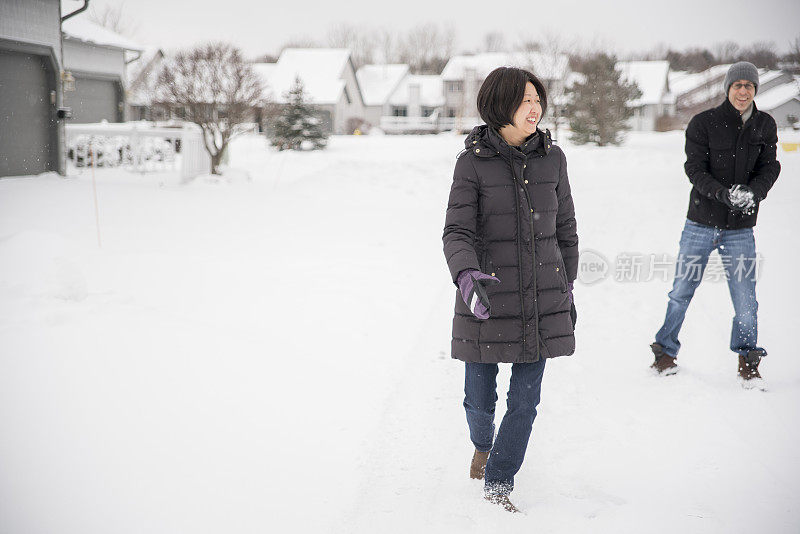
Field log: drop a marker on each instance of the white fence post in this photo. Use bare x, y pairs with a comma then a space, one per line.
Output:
195, 158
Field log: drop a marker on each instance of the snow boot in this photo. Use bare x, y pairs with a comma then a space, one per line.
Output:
501, 499
748, 364
664, 364
478, 466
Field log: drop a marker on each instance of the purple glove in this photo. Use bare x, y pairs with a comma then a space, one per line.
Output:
570, 287
472, 284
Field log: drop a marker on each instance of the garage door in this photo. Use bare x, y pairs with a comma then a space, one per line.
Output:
93, 100
27, 122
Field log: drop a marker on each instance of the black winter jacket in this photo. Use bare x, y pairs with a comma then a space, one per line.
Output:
511, 214
721, 152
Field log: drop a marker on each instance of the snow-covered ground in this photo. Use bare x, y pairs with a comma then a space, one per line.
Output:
269, 352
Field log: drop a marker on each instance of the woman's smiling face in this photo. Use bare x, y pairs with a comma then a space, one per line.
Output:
526, 119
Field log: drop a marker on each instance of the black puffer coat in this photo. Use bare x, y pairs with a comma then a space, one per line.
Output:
721, 152
503, 201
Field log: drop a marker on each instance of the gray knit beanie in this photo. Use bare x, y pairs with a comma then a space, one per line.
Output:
743, 70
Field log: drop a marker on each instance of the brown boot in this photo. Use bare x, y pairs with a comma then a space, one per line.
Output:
478, 466
664, 364
502, 500
748, 364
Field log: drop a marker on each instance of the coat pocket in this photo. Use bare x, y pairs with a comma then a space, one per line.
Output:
561, 271
487, 267
754, 148
720, 153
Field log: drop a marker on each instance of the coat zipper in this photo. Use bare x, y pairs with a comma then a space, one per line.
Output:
519, 262
533, 255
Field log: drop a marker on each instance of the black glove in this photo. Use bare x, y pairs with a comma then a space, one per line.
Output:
573, 314
724, 195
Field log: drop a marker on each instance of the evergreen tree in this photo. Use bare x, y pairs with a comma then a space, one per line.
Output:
598, 110
296, 125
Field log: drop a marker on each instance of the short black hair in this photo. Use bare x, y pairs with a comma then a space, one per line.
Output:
502, 92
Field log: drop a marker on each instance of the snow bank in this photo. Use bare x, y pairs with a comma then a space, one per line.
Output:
272, 355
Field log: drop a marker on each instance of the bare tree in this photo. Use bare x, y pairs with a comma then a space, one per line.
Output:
361, 42
426, 49
265, 58
217, 90
114, 18
794, 51
549, 60
300, 41
692, 60
762, 54
494, 42
727, 52
386, 43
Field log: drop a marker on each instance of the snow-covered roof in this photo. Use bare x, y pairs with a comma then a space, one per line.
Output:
143, 75
650, 77
264, 72
378, 82
320, 69
81, 28
778, 96
545, 66
682, 82
431, 93
765, 76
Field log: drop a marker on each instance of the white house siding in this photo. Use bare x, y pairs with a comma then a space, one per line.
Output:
32, 21
781, 113
353, 110
99, 73
372, 114
326, 75
377, 83
87, 57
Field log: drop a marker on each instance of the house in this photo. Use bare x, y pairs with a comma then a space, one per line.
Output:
697, 92
463, 75
378, 83
416, 106
329, 82
141, 82
400, 102
652, 79
782, 102
96, 58
31, 134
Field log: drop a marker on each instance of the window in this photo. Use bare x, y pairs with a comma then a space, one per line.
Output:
456, 86
451, 112
399, 111
427, 111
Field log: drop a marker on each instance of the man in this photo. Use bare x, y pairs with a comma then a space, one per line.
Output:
730, 161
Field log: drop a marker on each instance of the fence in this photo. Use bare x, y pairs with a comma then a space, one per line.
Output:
434, 123
140, 147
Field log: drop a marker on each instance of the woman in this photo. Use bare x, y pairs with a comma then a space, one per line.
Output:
512, 249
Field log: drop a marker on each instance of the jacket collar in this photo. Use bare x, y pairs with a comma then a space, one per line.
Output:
730, 112
485, 141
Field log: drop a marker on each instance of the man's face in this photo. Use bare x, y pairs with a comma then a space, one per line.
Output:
741, 94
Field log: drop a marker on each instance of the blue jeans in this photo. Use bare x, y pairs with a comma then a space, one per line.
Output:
737, 250
508, 449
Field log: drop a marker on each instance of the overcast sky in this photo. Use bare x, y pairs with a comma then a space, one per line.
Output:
623, 26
